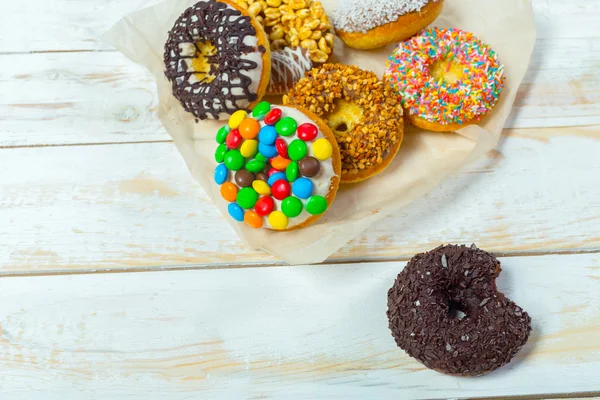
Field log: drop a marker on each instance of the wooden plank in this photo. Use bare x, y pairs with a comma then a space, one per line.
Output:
276, 333
87, 208
73, 26
68, 98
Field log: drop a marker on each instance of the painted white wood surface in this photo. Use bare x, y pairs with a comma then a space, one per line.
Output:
135, 206
309, 332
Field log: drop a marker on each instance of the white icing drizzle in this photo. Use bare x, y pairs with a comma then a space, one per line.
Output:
287, 67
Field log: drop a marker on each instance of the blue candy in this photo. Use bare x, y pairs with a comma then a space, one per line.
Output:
266, 150
275, 177
221, 174
267, 135
302, 188
236, 212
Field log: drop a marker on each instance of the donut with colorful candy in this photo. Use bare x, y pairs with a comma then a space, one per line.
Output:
278, 168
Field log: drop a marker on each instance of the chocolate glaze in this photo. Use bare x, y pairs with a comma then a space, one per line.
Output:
445, 311
209, 99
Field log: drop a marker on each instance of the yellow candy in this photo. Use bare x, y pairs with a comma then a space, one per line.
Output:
261, 187
322, 149
236, 118
278, 220
249, 148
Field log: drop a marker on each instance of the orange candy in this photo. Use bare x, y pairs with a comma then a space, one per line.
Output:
249, 128
280, 163
229, 191
253, 219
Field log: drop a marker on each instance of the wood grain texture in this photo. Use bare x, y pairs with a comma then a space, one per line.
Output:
101, 97
309, 332
66, 209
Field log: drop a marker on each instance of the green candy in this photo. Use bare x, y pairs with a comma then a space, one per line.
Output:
255, 166
260, 157
291, 172
316, 205
261, 109
297, 149
234, 161
247, 198
222, 134
291, 206
220, 153
286, 126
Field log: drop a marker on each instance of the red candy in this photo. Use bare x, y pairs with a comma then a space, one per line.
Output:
281, 147
272, 171
234, 139
280, 189
307, 131
273, 116
264, 206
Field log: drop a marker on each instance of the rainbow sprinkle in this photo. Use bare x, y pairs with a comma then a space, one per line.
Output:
469, 98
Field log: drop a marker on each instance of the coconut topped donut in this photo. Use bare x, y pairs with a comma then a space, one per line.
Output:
217, 59
279, 167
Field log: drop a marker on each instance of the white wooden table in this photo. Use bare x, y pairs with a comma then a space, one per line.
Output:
91, 187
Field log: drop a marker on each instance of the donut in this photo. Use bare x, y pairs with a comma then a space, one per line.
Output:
447, 79
362, 111
369, 24
292, 24
278, 168
217, 59
444, 310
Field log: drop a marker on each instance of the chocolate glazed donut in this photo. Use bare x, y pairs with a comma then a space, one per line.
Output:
445, 311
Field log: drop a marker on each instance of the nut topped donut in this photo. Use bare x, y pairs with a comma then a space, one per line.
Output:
447, 79
278, 168
217, 59
444, 310
363, 112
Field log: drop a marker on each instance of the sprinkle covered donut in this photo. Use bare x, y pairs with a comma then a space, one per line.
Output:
447, 78
363, 112
217, 59
278, 168
444, 310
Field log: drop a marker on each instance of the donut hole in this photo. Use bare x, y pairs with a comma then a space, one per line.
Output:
344, 117
201, 62
445, 70
456, 310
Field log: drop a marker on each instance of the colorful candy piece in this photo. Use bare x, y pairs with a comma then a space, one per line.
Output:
281, 189
278, 220
273, 116
236, 118
316, 205
297, 149
244, 178
309, 166
291, 207
267, 135
272, 171
249, 128
221, 174
261, 110
291, 172
255, 166
220, 152
261, 187
222, 134
229, 191
266, 150
322, 149
261, 176
264, 206
260, 157
308, 131
247, 197
236, 212
253, 219
275, 177
286, 126
282, 147
249, 148
234, 160
280, 163
302, 188
234, 139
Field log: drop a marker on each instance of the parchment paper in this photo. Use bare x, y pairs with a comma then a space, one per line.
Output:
424, 159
